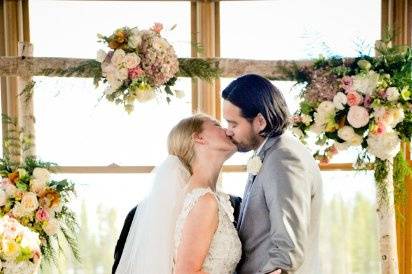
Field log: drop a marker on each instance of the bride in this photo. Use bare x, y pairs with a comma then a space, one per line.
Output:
185, 225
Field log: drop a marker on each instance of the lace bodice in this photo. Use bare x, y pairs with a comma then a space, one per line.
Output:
225, 249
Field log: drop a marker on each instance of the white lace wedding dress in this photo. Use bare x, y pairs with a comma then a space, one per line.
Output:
225, 249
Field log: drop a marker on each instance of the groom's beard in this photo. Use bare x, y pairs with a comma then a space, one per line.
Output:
248, 144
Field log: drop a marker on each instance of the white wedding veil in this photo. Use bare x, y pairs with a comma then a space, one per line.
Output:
149, 247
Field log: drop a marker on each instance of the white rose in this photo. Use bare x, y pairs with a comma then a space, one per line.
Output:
385, 146
37, 186
3, 197
29, 202
118, 57
319, 125
392, 94
179, 93
340, 100
101, 55
325, 108
358, 116
19, 211
51, 226
306, 119
135, 31
396, 115
254, 165
366, 84
131, 60
41, 174
346, 133
134, 41
10, 189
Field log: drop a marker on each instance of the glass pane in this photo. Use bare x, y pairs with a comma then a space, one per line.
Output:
348, 236
74, 128
102, 204
298, 29
76, 23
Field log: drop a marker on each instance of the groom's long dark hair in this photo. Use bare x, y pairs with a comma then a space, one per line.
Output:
254, 94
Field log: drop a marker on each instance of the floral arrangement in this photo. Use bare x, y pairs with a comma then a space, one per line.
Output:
139, 64
29, 195
20, 248
363, 102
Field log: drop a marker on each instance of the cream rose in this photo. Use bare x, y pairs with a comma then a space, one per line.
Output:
51, 226
366, 84
346, 133
340, 100
37, 186
358, 116
29, 202
41, 174
392, 94
131, 60
118, 57
134, 41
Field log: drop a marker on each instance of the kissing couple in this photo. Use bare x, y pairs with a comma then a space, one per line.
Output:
187, 226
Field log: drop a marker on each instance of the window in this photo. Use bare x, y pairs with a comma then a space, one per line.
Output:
76, 127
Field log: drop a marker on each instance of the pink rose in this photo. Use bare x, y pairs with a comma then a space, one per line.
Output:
354, 98
346, 83
135, 72
157, 27
381, 129
42, 215
347, 80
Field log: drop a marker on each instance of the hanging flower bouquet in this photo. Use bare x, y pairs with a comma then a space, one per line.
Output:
364, 102
139, 64
30, 196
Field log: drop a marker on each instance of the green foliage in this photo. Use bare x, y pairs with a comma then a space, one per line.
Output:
201, 68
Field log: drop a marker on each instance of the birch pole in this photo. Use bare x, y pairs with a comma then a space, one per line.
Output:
387, 223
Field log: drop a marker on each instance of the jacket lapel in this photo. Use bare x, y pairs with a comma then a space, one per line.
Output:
269, 143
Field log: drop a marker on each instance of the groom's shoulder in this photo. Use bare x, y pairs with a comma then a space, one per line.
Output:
286, 144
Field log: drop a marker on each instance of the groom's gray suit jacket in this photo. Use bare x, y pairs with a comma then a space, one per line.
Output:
279, 217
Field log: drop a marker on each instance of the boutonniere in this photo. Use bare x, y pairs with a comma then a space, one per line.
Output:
253, 165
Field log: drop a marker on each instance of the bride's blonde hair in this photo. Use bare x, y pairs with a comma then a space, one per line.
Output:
180, 142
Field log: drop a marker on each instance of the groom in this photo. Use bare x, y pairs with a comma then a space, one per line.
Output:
279, 217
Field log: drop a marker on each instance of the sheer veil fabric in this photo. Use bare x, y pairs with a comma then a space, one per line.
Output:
149, 247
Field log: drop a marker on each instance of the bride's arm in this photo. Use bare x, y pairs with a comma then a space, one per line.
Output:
198, 231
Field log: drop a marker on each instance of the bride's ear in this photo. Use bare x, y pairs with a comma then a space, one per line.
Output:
198, 138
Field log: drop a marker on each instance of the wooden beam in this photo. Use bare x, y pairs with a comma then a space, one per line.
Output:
36, 66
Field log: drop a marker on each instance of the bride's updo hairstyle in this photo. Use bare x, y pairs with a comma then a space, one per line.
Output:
180, 142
